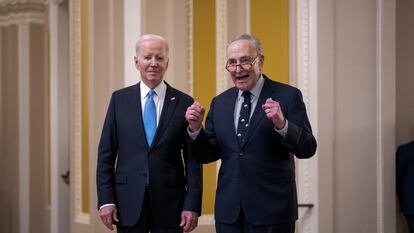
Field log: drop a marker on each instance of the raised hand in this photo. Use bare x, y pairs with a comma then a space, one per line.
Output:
274, 113
195, 116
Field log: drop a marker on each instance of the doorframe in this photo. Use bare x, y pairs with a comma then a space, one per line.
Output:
59, 115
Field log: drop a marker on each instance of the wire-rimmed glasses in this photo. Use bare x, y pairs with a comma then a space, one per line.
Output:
245, 63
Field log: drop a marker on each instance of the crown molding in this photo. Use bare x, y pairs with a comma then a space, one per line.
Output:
22, 12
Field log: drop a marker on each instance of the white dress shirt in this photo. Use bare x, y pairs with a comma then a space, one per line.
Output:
158, 97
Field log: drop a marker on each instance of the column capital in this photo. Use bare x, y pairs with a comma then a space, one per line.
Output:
23, 11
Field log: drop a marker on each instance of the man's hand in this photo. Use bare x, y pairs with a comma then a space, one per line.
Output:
194, 116
108, 216
274, 113
189, 220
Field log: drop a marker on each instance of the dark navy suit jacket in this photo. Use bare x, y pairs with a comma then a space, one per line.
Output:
259, 175
405, 177
124, 159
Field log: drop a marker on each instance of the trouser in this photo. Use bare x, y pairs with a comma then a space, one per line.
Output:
243, 226
146, 222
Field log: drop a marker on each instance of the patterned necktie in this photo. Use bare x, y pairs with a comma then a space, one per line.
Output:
244, 116
150, 117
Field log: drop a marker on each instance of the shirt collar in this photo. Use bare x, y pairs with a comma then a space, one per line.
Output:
159, 90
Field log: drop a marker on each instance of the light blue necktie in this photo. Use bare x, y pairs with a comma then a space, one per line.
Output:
150, 117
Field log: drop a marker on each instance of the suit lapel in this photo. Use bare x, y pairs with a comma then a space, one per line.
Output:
170, 102
136, 112
259, 114
229, 112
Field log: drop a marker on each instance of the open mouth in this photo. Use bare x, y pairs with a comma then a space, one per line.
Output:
242, 77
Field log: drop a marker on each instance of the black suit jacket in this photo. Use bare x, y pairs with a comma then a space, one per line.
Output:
124, 159
405, 177
259, 175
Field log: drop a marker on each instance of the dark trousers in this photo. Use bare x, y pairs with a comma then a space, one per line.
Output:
243, 226
410, 221
146, 222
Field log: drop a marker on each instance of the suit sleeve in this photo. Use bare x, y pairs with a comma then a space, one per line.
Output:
400, 171
299, 139
107, 153
194, 183
204, 148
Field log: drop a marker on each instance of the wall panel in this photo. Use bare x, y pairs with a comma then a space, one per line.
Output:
270, 24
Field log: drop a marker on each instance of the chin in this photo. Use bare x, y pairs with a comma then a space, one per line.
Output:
243, 87
154, 79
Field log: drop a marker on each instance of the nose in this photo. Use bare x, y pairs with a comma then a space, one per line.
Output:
153, 62
238, 68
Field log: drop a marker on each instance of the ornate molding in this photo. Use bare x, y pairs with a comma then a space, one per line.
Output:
221, 42
189, 49
57, 2
305, 58
304, 49
76, 110
17, 12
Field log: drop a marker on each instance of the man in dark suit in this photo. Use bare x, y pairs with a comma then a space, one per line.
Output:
405, 181
255, 128
146, 180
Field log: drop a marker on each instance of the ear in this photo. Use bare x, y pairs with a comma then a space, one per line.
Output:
261, 60
168, 61
136, 63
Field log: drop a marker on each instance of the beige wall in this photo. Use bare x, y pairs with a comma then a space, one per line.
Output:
39, 131
356, 80
159, 17
405, 71
24, 123
405, 81
9, 218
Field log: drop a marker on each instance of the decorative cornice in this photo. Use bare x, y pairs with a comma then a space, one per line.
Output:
57, 2
20, 12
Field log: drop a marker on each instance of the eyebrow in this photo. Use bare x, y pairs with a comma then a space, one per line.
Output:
241, 58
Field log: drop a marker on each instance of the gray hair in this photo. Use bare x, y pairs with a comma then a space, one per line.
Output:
253, 39
150, 37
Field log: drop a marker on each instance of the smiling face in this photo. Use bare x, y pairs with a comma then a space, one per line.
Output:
152, 61
241, 52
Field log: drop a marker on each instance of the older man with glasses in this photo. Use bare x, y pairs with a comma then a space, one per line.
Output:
255, 128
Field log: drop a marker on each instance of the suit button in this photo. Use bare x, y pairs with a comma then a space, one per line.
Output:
241, 154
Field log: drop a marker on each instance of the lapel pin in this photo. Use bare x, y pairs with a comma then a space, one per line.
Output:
172, 98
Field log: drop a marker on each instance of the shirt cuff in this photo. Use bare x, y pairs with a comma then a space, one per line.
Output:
102, 206
283, 131
193, 135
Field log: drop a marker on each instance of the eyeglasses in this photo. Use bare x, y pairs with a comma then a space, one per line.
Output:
245, 63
